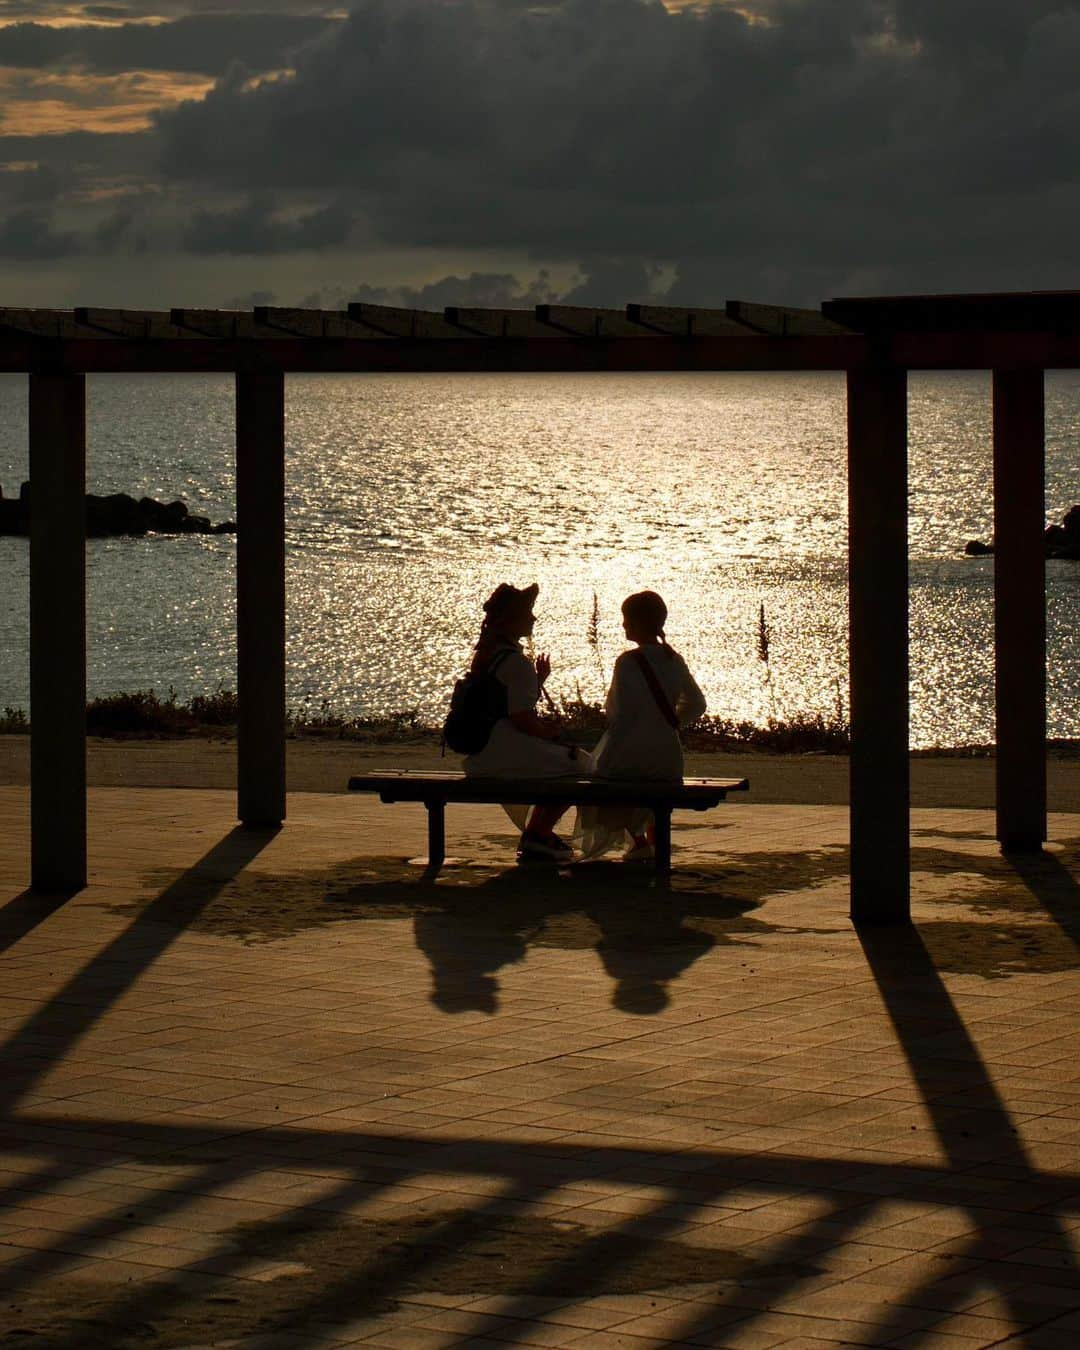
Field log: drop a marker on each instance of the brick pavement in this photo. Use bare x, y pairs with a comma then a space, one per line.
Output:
277, 1090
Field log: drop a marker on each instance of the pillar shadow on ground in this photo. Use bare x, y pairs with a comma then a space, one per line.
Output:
1024, 909
1052, 885
63, 1019
22, 914
972, 1123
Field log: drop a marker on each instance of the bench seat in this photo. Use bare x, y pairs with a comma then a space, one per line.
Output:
435, 790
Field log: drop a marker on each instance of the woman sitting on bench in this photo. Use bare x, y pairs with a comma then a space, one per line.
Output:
520, 745
652, 695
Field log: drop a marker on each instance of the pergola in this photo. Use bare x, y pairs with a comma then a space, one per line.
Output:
876, 341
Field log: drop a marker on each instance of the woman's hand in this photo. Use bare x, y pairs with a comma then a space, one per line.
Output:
543, 668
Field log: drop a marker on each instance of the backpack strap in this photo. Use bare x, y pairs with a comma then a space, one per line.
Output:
656, 688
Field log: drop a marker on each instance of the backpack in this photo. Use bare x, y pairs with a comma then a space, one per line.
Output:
477, 703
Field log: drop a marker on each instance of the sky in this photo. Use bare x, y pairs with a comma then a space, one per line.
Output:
505, 152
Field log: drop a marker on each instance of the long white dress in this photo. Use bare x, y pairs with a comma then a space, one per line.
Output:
639, 743
511, 753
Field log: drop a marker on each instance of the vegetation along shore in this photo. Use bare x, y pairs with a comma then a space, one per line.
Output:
144, 714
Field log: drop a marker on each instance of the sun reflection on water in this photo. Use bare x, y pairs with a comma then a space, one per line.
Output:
410, 497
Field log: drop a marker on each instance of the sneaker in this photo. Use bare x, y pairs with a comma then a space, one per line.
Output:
639, 853
543, 847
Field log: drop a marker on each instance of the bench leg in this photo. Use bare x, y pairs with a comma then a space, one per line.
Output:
436, 835
662, 827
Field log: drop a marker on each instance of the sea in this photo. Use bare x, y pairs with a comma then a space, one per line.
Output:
410, 497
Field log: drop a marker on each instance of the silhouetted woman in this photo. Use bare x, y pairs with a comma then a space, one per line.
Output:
652, 695
521, 745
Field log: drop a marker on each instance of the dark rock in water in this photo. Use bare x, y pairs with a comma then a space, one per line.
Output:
117, 514
1059, 541
11, 515
1063, 541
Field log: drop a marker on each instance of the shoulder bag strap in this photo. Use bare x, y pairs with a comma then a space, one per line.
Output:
662, 701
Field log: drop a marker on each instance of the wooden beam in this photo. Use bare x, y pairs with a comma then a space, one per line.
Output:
128, 323
500, 323
235, 324
980, 350
465, 352
1020, 311
1020, 608
878, 600
396, 322
584, 321
57, 632
44, 323
675, 322
462, 353
783, 320
260, 597
312, 323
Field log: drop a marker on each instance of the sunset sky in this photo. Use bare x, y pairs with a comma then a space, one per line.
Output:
217, 152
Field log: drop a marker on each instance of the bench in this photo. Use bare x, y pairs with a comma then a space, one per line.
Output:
436, 789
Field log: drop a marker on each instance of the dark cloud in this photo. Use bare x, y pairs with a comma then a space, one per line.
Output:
601, 279
256, 227
28, 236
858, 138
493, 290
37, 184
834, 145
42, 11
123, 230
91, 153
200, 44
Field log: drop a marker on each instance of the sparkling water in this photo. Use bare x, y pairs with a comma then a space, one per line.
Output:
409, 497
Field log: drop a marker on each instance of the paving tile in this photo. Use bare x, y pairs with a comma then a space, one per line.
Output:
873, 1141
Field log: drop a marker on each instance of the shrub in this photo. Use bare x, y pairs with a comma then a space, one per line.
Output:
13, 722
137, 714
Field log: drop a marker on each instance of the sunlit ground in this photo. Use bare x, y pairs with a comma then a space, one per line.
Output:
264, 1083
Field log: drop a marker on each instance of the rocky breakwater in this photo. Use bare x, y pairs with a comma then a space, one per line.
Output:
1059, 541
116, 514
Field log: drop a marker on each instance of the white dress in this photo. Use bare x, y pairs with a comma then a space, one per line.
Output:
639, 741
511, 753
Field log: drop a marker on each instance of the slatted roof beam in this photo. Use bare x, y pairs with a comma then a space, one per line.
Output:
394, 321
585, 321
783, 320
211, 323
128, 323
44, 323
222, 324
498, 323
675, 321
312, 323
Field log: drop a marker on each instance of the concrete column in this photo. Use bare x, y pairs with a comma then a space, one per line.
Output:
878, 600
260, 596
58, 632
1020, 608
